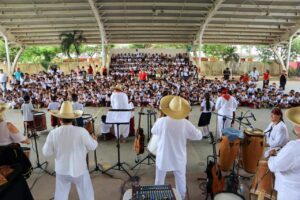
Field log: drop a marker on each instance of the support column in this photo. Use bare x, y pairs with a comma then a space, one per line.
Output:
7, 53
289, 54
279, 57
13, 67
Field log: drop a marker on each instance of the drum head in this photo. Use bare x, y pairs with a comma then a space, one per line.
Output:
38, 113
228, 196
254, 132
86, 116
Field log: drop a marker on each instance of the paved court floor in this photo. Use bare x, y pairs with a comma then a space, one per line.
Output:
112, 188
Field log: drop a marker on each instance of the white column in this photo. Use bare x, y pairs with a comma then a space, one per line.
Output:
289, 54
17, 58
279, 57
7, 53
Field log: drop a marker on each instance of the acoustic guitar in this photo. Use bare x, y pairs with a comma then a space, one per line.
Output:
215, 180
139, 141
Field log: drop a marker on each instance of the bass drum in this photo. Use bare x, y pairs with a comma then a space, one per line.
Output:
153, 144
228, 196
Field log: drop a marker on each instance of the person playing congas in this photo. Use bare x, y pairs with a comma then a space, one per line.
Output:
286, 165
276, 133
173, 132
69, 145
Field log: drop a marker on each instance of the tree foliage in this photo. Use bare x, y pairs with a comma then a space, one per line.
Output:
71, 41
12, 52
39, 54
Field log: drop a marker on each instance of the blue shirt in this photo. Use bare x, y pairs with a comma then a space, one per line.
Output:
17, 75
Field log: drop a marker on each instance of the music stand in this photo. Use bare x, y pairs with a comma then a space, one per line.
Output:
149, 157
38, 164
115, 119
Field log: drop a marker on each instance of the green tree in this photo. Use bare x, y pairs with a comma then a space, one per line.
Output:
266, 54
215, 51
71, 41
12, 52
39, 54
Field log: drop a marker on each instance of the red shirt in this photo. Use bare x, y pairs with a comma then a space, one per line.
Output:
143, 76
90, 70
266, 76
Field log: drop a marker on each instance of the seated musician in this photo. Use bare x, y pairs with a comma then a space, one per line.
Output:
8, 132
69, 145
276, 133
173, 132
286, 167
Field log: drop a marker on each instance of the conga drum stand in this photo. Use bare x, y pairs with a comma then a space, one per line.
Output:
149, 157
119, 164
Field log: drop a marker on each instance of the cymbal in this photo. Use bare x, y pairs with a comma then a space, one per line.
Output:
293, 114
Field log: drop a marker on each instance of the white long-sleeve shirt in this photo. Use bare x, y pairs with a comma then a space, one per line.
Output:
69, 144
173, 134
277, 136
286, 167
225, 107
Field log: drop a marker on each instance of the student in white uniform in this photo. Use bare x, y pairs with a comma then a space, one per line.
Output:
276, 133
69, 145
119, 100
173, 132
77, 106
286, 165
226, 106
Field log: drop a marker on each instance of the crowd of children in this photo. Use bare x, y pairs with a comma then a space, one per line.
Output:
165, 74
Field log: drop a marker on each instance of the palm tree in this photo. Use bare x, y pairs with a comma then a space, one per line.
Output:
69, 39
231, 58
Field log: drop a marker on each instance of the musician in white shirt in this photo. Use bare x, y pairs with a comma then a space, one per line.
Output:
173, 132
226, 106
119, 100
69, 145
276, 133
286, 165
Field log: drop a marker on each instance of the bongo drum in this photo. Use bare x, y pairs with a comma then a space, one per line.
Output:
228, 196
263, 182
229, 148
153, 144
88, 122
39, 120
253, 146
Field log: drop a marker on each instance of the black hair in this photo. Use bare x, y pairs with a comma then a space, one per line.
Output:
66, 121
207, 99
26, 98
74, 97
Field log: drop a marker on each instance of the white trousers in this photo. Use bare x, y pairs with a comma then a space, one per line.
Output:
83, 185
123, 130
223, 124
180, 180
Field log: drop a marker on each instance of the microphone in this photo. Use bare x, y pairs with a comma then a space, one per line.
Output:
253, 116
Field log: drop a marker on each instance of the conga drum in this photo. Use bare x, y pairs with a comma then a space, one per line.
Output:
263, 182
253, 147
153, 144
88, 122
39, 120
228, 196
229, 148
